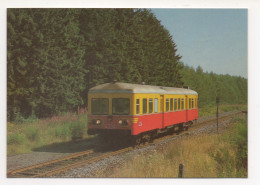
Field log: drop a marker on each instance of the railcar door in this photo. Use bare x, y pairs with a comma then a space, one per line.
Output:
162, 108
187, 108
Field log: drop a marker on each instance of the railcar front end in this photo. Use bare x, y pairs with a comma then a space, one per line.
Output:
110, 113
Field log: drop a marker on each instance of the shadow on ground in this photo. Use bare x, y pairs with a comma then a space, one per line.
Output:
70, 146
83, 145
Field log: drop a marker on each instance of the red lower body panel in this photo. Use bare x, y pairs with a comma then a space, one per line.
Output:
143, 123
161, 120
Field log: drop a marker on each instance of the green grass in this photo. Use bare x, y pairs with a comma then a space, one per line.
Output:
24, 137
211, 110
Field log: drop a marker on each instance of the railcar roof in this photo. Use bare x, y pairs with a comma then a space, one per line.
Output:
119, 87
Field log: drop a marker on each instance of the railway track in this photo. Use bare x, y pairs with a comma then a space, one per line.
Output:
53, 167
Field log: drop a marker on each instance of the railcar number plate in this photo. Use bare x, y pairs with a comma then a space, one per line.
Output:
110, 126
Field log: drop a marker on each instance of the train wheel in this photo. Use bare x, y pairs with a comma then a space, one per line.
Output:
151, 138
180, 128
172, 131
138, 141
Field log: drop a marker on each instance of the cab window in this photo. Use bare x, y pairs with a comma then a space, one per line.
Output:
99, 106
120, 106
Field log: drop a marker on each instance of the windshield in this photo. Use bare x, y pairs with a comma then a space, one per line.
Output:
99, 105
121, 106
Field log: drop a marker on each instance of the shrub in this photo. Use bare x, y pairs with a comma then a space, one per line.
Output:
18, 118
77, 131
232, 160
225, 162
240, 140
15, 139
32, 133
63, 131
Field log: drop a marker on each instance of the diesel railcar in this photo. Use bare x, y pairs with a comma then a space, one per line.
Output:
138, 110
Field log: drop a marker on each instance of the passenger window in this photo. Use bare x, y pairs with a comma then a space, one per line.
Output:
167, 104
144, 106
171, 104
175, 104
155, 105
179, 103
137, 106
189, 103
192, 105
182, 104
150, 105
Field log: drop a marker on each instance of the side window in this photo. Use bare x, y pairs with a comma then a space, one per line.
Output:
137, 106
175, 104
144, 106
171, 104
189, 103
167, 104
179, 103
155, 105
182, 104
150, 105
192, 105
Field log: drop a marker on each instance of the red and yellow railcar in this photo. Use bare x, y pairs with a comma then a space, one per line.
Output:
136, 109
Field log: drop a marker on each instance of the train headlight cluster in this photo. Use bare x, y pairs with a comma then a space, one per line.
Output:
96, 121
123, 122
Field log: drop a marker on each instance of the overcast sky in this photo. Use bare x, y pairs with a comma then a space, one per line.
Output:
215, 39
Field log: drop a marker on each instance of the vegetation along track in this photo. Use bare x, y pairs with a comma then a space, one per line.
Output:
53, 167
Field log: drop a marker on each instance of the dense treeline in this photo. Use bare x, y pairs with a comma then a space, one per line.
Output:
230, 89
55, 55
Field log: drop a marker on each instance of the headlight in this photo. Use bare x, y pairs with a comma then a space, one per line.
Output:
123, 122
96, 121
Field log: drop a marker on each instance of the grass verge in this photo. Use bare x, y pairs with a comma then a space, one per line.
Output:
24, 137
204, 156
211, 110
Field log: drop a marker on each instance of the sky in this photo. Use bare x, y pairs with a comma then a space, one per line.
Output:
215, 39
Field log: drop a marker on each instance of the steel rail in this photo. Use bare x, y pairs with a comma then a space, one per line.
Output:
13, 172
94, 159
